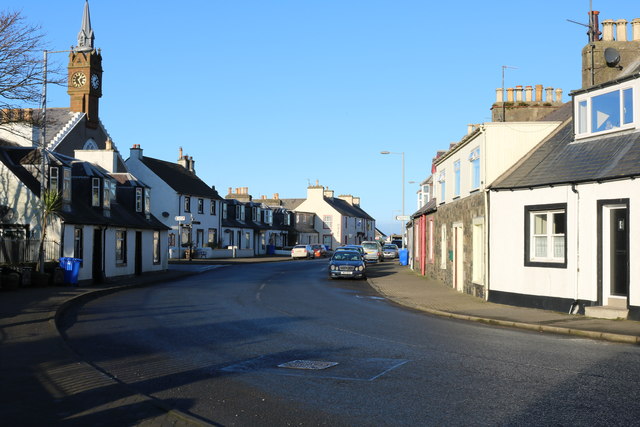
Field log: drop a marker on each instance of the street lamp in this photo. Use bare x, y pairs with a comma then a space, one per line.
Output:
403, 217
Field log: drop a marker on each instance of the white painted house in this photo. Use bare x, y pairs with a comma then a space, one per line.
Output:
182, 201
562, 220
340, 220
457, 240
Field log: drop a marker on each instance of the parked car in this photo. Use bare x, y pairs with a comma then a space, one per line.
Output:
372, 251
302, 251
319, 251
351, 248
390, 251
347, 263
397, 242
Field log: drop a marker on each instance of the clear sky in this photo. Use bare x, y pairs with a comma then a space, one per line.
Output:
276, 94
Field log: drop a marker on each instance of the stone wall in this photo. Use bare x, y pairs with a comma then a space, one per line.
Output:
461, 211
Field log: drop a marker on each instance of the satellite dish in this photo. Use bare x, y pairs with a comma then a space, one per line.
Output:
611, 56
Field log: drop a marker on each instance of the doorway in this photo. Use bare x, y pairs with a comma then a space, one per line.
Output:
614, 255
96, 264
138, 254
458, 257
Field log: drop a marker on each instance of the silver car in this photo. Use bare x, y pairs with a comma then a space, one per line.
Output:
390, 251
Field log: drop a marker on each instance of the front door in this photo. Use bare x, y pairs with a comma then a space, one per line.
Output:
458, 257
96, 267
138, 254
615, 255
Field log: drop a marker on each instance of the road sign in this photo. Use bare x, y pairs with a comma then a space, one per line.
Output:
403, 217
180, 218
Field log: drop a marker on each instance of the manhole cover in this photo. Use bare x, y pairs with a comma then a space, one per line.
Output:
307, 364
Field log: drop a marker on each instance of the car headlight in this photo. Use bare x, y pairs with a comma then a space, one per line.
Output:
332, 267
360, 268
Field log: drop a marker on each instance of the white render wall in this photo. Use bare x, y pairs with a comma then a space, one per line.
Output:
507, 270
501, 145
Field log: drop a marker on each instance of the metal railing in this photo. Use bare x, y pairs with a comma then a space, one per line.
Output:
17, 251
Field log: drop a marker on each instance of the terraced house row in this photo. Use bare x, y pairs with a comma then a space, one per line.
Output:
129, 216
538, 207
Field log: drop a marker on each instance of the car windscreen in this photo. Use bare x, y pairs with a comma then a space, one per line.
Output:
346, 256
370, 246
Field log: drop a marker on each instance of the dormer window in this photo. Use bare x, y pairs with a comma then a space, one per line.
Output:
138, 199
147, 201
66, 184
53, 178
95, 192
106, 192
604, 111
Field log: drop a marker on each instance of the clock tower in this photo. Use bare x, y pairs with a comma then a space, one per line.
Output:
85, 73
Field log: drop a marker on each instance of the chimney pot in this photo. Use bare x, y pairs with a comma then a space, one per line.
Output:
527, 93
499, 95
621, 30
635, 29
539, 93
607, 30
549, 94
519, 93
510, 94
558, 95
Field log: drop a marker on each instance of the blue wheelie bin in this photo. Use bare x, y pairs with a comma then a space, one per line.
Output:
403, 255
71, 267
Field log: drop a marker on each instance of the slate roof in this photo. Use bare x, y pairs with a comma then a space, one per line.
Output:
346, 209
561, 160
430, 207
181, 179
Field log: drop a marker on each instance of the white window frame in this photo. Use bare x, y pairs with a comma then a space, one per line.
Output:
54, 178
66, 184
583, 110
95, 192
549, 258
138, 199
474, 159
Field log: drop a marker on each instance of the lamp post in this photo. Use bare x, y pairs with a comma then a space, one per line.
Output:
403, 220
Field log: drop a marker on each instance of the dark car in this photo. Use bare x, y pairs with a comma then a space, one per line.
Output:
346, 263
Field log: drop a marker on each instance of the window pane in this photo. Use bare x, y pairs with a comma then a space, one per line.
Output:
558, 247
540, 246
540, 224
582, 117
605, 111
627, 105
559, 223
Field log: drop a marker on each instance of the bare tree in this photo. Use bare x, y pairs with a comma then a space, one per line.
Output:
21, 60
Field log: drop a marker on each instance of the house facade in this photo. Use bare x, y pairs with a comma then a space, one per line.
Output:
340, 220
182, 201
100, 220
571, 211
449, 235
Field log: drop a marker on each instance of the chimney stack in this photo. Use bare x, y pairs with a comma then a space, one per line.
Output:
135, 151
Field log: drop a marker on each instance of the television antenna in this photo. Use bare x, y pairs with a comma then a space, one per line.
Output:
504, 67
594, 35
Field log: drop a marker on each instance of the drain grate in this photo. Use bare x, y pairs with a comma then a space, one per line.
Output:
314, 365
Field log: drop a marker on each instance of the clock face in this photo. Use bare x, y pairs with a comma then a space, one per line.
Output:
95, 81
78, 79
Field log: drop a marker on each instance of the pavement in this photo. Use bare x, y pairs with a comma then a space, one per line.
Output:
45, 383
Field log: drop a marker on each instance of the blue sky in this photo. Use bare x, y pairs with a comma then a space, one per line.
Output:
276, 94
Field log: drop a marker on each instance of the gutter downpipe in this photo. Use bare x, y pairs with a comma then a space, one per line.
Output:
575, 306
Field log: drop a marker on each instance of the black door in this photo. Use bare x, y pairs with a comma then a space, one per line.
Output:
619, 252
96, 268
138, 260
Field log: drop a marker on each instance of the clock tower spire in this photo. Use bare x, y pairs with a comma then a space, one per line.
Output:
85, 73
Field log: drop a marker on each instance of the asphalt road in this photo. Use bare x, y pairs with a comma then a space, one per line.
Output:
211, 344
